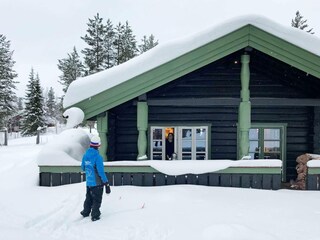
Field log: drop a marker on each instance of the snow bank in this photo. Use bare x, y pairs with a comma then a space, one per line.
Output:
314, 163
74, 117
180, 167
86, 87
65, 149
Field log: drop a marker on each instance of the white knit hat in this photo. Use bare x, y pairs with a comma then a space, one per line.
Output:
95, 141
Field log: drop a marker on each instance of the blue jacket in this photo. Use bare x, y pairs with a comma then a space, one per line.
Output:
92, 164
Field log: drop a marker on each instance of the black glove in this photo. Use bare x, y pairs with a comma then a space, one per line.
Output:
108, 189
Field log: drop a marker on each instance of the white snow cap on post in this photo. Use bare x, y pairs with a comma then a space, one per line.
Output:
74, 117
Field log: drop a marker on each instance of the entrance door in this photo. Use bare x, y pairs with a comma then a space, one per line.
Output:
189, 143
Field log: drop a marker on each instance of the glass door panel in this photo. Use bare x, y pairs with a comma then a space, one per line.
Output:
186, 143
157, 143
201, 143
254, 148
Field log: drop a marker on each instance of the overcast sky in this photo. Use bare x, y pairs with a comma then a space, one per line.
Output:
43, 31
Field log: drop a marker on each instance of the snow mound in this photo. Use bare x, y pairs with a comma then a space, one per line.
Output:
74, 117
181, 167
67, 148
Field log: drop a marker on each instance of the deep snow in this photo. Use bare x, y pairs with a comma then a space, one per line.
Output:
31, 212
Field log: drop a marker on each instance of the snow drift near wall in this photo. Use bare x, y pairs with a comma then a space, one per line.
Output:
67, 148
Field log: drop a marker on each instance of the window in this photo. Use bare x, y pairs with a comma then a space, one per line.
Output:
268, 141
185, 143
265, 143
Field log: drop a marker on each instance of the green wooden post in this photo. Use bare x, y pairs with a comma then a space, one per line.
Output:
244, 120
102, 125
142, 125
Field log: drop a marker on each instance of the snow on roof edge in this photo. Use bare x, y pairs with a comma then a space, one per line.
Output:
86, 87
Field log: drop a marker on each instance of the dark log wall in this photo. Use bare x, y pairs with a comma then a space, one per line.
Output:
220, 79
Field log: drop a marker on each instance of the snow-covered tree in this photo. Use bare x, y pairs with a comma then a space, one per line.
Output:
119, 43
50, 107
20, 104
95, 55
299, 22
147, 43
71, 68
125, 43
108, 45
33, 116
7, 83
60, 110
130, 43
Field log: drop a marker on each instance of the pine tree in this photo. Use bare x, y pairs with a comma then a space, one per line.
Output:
298, 22
147, 43
71, 68
20, 104
119, 43
108, 45
130, 43
7, 83
33, 113
50, 105
60, 110
96, 54
125, 43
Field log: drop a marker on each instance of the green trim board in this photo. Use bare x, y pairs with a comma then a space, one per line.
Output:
313, 170
243, 37
252, 170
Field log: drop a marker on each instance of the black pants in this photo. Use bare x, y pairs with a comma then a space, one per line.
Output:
93, 201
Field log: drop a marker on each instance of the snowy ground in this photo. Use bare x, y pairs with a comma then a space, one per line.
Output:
30, 212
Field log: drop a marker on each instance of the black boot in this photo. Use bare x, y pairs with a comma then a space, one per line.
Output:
95, 218
84, 214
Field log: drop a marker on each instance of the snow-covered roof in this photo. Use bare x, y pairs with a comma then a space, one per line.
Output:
86, 87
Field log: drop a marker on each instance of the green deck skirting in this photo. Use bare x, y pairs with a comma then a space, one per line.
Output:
315, 170
148, 169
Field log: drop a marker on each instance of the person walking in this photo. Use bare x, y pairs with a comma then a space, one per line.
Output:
96, 179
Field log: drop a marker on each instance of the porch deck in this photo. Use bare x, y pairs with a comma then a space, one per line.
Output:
245, 174
313, 176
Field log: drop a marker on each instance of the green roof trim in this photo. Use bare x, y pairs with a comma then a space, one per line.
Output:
247, 36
